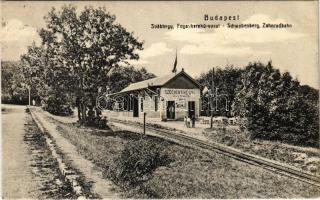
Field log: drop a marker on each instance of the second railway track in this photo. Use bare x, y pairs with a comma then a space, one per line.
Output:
267, 164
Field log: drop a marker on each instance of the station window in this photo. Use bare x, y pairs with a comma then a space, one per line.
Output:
125, 104
141, 104
132, 100
156, 103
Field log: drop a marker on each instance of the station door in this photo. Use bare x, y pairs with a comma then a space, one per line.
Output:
171, 110
135, 107
191, 108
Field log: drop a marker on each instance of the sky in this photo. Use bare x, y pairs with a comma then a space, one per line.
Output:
198, 50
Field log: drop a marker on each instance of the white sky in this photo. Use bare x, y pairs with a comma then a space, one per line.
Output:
294, 50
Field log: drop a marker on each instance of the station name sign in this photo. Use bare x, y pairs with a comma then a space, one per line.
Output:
179, 93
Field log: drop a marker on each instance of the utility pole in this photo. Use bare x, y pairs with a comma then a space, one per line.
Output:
216, 99
211, 99
144, 123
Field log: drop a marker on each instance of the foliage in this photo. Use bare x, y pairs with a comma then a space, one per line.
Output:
55, 104
12, 86
77, 55
137, 162
96, 121
277, 151
90, 45
191, 174
276, 106
123, 76
226, 80
41, 72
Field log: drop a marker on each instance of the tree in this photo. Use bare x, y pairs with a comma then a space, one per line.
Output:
80, 51
13, 90
44, 74
123, 76
276, 106
226, 79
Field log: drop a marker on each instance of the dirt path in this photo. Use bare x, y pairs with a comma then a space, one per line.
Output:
99, 186
29, 170
15, 158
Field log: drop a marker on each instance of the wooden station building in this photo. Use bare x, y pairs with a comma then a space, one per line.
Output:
170, 97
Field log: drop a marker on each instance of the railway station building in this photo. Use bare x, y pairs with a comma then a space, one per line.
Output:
170, 97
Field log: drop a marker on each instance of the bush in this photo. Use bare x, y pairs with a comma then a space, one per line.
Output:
136, 163
61, 110
295, 124
27, 110
277, 107
57, 106
102, 123
95, 121
16, 99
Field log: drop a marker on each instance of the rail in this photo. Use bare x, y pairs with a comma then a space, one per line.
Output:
268, 164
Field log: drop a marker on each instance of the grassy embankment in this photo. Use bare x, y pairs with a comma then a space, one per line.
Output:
304, 158
189, 173
307, 159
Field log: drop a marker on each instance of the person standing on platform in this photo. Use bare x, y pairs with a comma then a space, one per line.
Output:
188, 122
185, 121
193, 119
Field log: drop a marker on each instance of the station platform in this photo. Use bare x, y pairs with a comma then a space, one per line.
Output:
196, 132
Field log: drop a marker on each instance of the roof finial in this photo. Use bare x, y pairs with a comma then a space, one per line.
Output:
174, 70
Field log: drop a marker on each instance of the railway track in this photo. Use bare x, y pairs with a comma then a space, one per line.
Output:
267, 164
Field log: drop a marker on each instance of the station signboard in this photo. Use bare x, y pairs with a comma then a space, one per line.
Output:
179, 93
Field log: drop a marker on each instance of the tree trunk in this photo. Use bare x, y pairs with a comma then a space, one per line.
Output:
79, 112
83, 111
94, 106
98, 112
11, 94
78, 105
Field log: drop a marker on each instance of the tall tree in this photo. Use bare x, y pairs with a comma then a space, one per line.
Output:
226, 80
82, 49
12, 84
276, 107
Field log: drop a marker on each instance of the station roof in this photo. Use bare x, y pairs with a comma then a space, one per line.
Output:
156, 82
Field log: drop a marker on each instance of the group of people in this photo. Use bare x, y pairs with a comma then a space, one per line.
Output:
190, 122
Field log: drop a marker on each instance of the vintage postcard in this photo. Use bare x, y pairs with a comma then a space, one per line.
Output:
159, 99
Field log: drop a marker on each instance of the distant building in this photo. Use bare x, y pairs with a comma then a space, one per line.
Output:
170, 97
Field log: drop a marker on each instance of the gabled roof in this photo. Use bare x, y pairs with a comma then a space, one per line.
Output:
158, 82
